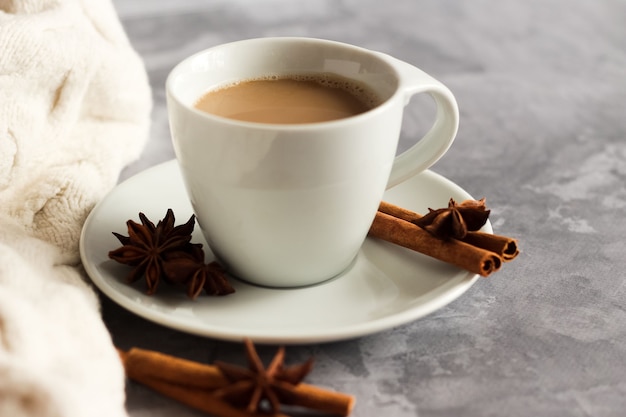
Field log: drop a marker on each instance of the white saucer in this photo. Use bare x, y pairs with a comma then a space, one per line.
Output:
386, 286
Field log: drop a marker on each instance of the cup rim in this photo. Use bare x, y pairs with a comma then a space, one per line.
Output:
381, 107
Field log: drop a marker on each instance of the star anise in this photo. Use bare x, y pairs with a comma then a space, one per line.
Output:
251, 387
146, 244
455, 221
165, 252
188, 268
213, 279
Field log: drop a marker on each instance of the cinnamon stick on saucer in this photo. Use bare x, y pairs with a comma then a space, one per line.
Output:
456, 252
504, 246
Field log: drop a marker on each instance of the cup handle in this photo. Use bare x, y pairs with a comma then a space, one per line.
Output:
429, 149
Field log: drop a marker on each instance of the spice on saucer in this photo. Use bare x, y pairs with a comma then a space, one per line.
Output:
228, 390
165, 253
504, 246
455, 221
450, 235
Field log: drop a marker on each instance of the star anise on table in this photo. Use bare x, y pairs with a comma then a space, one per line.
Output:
256, 386
165, 252
456, 220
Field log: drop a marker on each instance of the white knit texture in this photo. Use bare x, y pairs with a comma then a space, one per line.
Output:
74, 110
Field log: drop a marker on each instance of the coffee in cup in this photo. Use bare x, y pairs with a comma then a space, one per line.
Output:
289, 99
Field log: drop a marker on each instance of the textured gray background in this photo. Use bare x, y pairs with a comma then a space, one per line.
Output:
541, 86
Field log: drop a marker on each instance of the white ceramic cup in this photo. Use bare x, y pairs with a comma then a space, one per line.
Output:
290, 205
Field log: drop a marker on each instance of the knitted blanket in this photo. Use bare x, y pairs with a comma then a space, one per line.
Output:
74, 110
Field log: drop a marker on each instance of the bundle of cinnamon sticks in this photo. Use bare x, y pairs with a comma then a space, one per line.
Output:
478, 252
197, 385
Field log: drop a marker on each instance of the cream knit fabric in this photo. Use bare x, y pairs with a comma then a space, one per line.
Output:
74, 109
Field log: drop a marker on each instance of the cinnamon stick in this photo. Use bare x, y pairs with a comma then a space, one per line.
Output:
397, 211
141, 364
200, 399
192, 383
505, 247
408, 235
